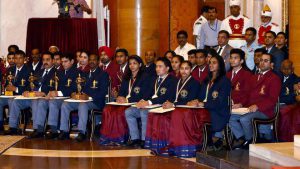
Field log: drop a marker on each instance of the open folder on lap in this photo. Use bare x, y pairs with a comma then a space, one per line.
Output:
161, 110
189, 107
240, 111
149, 107
120, 104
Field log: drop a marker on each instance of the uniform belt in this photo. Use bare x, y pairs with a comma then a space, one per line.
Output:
210, 47
237, 37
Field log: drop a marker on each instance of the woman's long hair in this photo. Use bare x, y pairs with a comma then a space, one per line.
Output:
221, 71
128, 74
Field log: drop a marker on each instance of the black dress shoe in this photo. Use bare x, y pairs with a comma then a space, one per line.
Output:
81, 137
1, 130
12, 131
36, 134
237, 144
135, 143
246, 144
64, 136
142, 144
51, 135
218, 145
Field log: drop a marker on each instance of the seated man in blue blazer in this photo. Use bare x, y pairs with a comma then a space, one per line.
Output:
96, 87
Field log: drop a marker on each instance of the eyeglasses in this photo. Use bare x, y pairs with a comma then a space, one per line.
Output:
264, 60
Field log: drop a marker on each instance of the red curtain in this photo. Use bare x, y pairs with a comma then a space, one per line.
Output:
68, 35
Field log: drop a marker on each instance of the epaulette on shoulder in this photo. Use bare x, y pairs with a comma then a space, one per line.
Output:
246, 16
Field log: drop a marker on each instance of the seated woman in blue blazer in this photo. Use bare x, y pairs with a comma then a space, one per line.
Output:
214, 96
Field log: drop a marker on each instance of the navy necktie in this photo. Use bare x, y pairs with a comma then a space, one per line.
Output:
159, 82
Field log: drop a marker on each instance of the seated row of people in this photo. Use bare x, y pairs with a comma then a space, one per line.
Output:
205, 86
259, 93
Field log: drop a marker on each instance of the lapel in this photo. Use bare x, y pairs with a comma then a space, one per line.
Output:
93, 74
224, 53
289, 80
273, 49
263, 78
236, 77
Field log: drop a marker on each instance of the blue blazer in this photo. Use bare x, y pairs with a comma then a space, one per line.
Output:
63, 86
217, 102
150, 70
44, 82
167, 90
22, 75
140, 89
287, 94
101, 88
189, 92
278, 58
38, 67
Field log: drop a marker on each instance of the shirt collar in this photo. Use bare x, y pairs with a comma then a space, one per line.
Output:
238, 17
19, 69
263, 73
49, 69
193, 68
124, 67
222, 47
163, 76
149, 65
269, 49
107, 64
35, 64
93, 71
215, 22
183, 46
203, 18
238, 70
202, 70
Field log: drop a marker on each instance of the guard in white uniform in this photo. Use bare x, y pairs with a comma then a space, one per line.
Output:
236, 24
198, 24
266, 25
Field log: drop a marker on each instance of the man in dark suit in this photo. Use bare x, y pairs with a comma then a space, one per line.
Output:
281, 43
36, 64
223, 48
149, 67
288, 79
57, 61
18, 85
96, 87
271, 48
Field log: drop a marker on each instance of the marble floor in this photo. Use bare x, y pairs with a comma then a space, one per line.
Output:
41, 153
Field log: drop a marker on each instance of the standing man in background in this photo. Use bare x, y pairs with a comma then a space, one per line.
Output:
266, 25
198, 25
236, 24
184, 47
210, 30
250, 47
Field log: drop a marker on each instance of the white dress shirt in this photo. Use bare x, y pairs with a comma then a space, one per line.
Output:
183, 51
